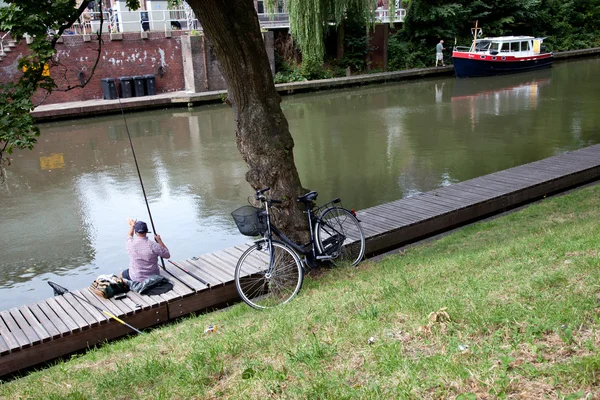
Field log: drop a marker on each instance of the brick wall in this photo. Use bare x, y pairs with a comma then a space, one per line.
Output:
129, 56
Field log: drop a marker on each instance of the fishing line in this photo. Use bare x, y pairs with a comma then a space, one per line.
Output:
148, 205
137, 167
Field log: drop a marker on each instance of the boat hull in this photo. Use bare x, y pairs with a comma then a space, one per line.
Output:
474, 67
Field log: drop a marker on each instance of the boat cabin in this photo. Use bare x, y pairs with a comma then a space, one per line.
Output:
509, 46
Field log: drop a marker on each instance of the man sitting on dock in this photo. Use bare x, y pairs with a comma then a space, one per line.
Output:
143, 253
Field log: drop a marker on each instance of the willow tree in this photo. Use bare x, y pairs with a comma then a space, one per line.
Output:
309, 18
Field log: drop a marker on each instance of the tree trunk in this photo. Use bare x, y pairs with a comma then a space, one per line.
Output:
262, 132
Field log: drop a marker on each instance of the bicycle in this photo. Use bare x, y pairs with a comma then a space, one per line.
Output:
271, 271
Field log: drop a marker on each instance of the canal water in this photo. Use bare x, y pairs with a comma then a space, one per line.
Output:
65, 204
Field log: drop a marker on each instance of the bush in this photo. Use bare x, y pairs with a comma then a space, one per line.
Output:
289, 73
407, 55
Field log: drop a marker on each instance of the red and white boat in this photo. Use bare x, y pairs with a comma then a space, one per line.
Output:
500, 55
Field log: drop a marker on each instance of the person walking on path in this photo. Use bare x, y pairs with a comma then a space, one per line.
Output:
143, 253
439, 55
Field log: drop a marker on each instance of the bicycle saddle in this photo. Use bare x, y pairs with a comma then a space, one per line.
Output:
308, 197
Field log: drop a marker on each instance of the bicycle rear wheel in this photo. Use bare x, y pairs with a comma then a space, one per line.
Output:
340, 235
263, 287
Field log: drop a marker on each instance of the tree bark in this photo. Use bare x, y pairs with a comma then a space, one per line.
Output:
262, 132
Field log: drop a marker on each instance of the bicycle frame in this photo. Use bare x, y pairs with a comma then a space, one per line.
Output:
306, 250
303, 250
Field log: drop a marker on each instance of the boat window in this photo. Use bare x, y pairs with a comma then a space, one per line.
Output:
482, 45
525, 46
505, 47
495, 46
514, 46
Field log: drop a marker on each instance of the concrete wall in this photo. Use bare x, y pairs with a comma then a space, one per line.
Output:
202, 72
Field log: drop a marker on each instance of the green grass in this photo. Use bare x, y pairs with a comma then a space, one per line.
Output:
520, 293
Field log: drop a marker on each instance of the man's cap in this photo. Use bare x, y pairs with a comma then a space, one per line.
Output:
140, 227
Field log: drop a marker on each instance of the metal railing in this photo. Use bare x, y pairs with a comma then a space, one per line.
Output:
382, 15
2, 52
182, 18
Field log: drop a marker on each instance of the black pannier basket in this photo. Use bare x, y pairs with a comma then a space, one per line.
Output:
249, 222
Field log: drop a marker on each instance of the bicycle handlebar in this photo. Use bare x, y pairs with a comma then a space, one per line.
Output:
261, 197
261, 191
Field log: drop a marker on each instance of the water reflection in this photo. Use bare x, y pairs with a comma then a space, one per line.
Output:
66, 202
498, 95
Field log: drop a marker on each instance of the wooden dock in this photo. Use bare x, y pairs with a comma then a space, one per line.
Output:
35, 333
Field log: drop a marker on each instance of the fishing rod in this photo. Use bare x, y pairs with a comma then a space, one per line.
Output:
137, 167
190, 273
146, 198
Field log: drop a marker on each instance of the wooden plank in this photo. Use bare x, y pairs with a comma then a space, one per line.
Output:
89, 306
229, 261
384, 221
470, 199
68, 310
219, 264
410, 211
492, 187
548, 171
455, 202
396, 214
101, 302
186, 278
178, 285
36, 325
399, 218
196, 274
203, 270
25, 327
48, 325
554, 171
143, 301
485, 192
65, 325
92, 320
9, 338
483, 181
15, 330
4, 349
520, 179
235, 254
258, 262
425, 210
370, 230
463, 193
34, 355
515, 186
129, 303
416, 203
205, 263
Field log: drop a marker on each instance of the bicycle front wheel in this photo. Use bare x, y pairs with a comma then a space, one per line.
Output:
262, 284
340, 235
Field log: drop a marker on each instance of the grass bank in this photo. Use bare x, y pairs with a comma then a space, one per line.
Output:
503, 308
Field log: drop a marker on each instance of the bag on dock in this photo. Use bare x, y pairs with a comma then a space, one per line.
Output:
108, 286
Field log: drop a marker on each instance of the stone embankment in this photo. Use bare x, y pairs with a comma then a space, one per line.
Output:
89, 108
